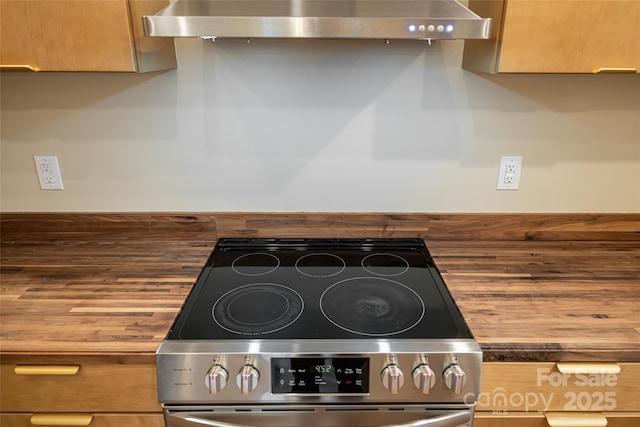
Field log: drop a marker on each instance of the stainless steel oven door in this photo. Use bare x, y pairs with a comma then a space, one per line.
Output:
320, 416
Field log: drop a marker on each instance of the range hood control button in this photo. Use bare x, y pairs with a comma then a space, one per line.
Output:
216, 379
392, 378
247, 379
455, 378
424, 378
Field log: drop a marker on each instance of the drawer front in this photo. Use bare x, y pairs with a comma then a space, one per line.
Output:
509, 420
530, 387
79, 388
94, 420
520, 419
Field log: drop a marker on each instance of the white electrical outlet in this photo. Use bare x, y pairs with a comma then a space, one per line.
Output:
509, 173
48, 172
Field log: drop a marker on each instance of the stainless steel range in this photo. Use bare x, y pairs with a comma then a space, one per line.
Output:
319, 332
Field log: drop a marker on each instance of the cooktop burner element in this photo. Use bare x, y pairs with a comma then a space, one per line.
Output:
255, 264
385, 264
320, 265
257, 309
372, 306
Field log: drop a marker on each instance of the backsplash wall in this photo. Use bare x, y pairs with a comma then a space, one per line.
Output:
320, 126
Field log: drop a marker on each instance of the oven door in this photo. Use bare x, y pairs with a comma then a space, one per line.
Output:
320, 416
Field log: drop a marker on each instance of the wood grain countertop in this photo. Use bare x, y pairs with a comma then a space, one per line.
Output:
112, 284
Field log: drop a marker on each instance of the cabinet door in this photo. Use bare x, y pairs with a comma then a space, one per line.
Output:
530, 386
89, 387
67, 35
519, 419
533, 419
92, 420
557, 36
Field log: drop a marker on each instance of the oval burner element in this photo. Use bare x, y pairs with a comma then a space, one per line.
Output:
320, 265
255, 264
257, 309
372, 306
385, 264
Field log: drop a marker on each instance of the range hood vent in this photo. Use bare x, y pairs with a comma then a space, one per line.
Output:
318, 19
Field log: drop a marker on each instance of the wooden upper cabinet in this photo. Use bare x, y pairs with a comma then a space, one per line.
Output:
556, 36
81, 35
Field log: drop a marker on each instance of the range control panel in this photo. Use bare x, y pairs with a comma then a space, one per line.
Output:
449, 372
340, 375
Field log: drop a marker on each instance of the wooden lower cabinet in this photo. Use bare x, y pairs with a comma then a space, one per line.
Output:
529, 394
86, 386
538, 387
520, 419
487, 419
96, 391
94, 420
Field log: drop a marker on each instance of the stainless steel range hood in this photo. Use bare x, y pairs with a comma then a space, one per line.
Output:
318, 19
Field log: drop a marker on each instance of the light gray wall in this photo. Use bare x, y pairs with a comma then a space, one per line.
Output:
321, 126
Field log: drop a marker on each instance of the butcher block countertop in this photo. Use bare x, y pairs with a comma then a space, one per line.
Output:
531, 287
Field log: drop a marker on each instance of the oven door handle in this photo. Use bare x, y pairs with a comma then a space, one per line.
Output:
448, 420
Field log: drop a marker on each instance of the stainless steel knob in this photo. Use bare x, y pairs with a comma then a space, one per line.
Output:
216, 379
392, 378
454, 378
247, 379
424, 378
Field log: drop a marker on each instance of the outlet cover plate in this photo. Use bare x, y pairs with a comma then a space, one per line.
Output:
509, 173
48, 172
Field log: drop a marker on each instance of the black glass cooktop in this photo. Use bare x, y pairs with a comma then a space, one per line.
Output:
319, 289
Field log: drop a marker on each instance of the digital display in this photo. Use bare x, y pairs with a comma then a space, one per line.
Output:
315, 375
